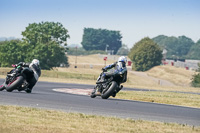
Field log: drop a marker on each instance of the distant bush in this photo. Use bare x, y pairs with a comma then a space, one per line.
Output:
196, 79
145, 54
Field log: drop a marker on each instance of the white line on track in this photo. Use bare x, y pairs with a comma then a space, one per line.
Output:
74, 91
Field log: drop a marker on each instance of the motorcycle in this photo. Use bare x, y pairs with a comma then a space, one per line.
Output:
17, 79
110, 87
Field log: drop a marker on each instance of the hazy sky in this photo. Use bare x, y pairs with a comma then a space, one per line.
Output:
135, 19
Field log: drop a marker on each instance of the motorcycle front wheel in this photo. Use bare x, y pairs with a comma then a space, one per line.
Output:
107, 93
2, 87
14, 84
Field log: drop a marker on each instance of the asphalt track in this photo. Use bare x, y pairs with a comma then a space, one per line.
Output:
43, 96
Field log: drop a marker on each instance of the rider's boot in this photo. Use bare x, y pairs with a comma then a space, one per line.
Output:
121, 86
21, 89
28, 90
114, 94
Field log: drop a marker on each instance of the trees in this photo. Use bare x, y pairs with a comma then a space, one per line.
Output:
11, 52
101, 39
45, 32
178, 47
50, 55
45, 41
194, 51
145, 54
42, 41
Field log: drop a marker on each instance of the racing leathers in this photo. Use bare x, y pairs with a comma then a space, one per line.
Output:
119, 70
34, 74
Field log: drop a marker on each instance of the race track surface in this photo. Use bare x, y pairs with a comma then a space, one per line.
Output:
43, 96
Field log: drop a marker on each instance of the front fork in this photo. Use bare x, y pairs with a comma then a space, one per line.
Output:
98, 90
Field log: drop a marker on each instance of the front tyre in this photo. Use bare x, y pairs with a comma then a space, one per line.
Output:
2, 87
14, 84
112, 86
92, 95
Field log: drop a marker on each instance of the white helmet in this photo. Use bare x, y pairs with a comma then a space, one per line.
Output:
36, 62
122, 59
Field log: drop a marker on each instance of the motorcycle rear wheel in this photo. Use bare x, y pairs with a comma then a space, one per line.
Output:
16, 83
109, 91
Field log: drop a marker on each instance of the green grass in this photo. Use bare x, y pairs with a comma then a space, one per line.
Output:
57, 74
181, 99
15, 119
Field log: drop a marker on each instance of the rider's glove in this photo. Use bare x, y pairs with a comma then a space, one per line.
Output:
104, 69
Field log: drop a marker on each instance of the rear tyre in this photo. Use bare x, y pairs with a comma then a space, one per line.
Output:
13, 85
109, 92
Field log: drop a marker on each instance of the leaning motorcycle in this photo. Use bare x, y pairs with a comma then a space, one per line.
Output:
17, 79
110, 87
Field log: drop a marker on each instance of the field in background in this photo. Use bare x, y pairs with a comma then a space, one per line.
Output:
89, 68
91, 61
178, 76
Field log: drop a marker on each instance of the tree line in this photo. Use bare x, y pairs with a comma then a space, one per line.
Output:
101, 39
42, 41
180, 47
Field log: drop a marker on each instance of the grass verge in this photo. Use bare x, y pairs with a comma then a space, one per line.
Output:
23, 119
181, 99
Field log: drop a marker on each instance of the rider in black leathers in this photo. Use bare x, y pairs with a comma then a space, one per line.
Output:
33, 71
119, 70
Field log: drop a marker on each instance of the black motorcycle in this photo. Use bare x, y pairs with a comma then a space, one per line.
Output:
17, 79
110, 87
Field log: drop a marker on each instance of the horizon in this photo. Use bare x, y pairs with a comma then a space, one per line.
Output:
13, 38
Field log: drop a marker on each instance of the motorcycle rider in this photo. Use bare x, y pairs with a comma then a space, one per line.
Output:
34, 71
119, 70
